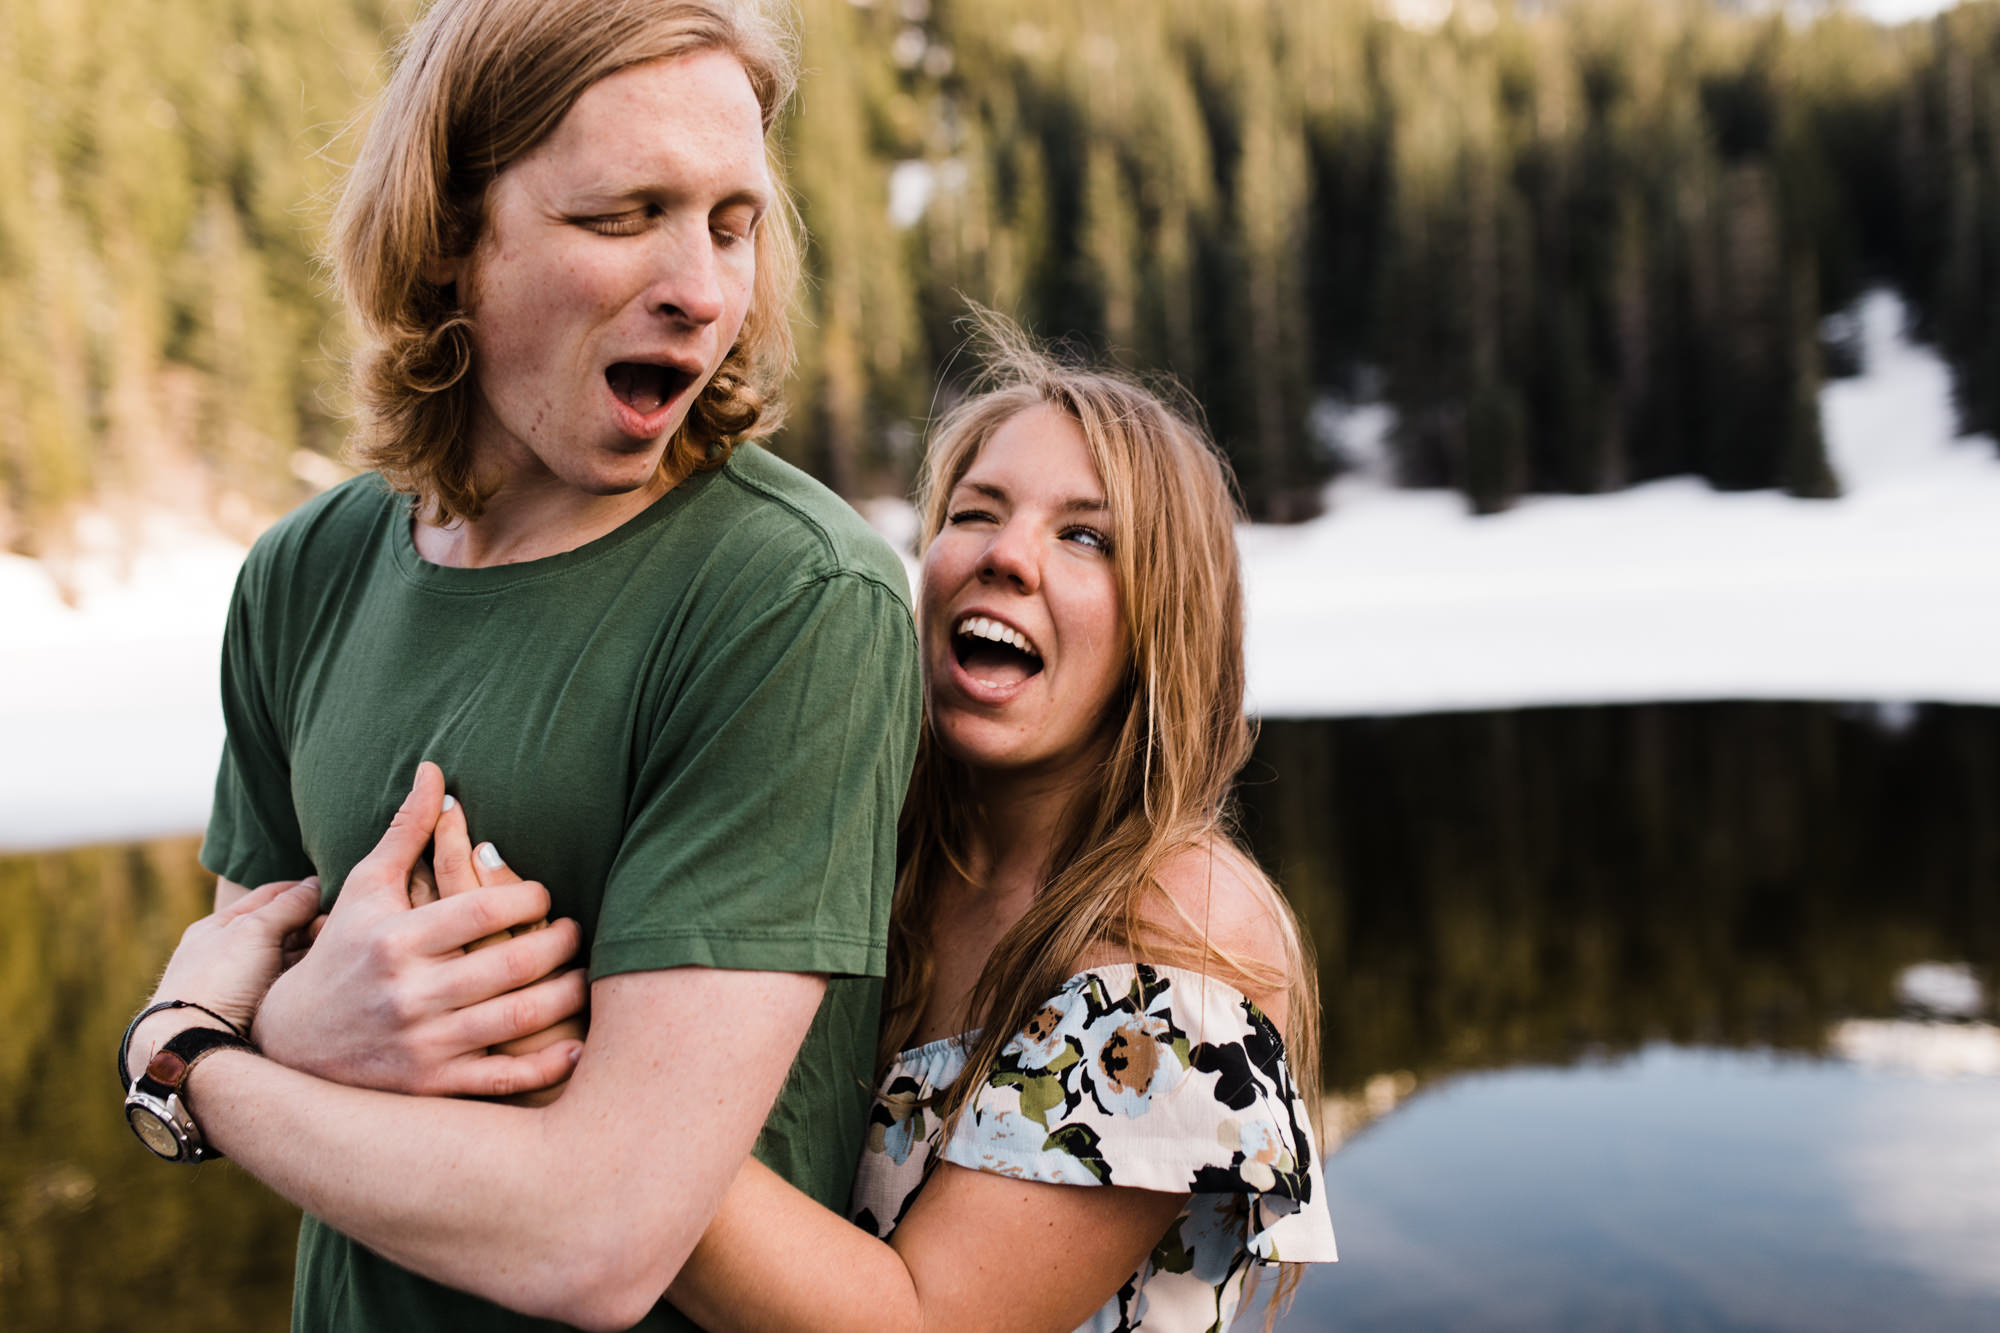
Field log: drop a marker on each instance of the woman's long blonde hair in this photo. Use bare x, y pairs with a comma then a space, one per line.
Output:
1179, 733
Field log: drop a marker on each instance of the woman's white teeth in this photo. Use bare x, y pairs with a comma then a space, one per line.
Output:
979, 627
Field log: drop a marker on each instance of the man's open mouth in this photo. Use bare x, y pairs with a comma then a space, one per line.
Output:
991, 652
644, 387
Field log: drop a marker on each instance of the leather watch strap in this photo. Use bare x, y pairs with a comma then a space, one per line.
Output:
125, 1044
167, 1071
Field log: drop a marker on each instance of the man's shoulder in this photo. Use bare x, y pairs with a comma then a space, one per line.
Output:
790, 517
336, 521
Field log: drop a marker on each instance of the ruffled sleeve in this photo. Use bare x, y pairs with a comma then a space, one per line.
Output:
1162, 1079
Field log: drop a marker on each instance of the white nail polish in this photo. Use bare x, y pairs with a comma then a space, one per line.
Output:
489, 856
450, 801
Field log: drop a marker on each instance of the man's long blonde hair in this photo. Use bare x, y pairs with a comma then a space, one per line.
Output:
478, 84
1178, 732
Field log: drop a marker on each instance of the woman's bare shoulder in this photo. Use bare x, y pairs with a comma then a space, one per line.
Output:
1217, 888
1211, 908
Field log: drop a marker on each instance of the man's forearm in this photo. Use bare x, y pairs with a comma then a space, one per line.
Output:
582, 1210
505, 1202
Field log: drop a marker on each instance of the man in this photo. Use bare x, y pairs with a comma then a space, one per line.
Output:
675, 683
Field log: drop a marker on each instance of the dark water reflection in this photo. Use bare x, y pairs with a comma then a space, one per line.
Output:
1486, 892
95, 1235
1498, 888
1605, 947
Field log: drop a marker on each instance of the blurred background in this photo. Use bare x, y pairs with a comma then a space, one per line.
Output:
1612, 384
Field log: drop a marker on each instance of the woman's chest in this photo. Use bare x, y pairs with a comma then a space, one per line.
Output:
967, 928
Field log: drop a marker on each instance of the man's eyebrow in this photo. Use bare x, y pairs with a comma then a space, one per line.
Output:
1078, 504
750, 197
604, 193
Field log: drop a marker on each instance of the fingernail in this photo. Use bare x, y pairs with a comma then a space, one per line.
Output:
489, 856
450, 801
575, 1054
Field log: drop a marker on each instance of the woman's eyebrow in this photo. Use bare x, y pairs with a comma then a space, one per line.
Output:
1078, 504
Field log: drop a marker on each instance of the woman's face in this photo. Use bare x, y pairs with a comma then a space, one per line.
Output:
1023, 641
612, 274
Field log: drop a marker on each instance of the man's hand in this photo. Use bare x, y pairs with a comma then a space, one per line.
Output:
226, 961
389, 998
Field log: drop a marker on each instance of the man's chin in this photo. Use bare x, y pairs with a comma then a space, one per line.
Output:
635, 474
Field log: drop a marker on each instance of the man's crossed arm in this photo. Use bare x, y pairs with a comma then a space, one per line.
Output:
582, 1210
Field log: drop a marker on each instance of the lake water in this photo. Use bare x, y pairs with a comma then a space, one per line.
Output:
1590, 981
1623, 1021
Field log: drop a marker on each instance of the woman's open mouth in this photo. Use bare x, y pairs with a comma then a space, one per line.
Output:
992, 653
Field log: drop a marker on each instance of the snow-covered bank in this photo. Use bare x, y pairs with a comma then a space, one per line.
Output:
1395, 602
1401, 602
110, 722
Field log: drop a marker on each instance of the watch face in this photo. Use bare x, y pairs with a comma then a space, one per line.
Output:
153, 1131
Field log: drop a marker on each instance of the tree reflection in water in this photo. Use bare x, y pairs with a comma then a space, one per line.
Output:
95, 1233
1493, 889
1484, 890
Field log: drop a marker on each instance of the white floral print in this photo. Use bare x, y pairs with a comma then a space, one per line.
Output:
1132, 1074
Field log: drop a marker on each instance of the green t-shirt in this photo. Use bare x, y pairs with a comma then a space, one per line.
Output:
695, 730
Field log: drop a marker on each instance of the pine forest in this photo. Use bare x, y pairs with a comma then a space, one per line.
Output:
1573, 245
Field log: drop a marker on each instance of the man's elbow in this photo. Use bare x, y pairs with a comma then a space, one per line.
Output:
607, 1313
617, 1287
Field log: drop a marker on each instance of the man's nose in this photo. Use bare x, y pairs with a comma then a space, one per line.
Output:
688, 283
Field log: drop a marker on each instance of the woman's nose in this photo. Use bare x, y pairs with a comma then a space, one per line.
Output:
1010, 558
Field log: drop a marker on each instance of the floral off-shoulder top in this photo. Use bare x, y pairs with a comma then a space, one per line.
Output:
1155, 1077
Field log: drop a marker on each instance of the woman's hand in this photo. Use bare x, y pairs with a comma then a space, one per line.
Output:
388, 997
227, 961
457, 868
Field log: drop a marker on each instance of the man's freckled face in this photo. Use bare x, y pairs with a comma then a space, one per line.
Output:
613, 274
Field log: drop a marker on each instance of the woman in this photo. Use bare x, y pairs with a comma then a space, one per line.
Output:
1082, 961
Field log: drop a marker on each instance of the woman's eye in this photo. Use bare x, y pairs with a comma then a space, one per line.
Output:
1088, 536
958, 516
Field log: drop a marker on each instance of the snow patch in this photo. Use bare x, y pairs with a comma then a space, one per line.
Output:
110, 712
1947, 990
1932, 1050
1400, 601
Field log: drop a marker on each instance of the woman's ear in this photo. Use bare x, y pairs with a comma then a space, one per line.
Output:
442, 272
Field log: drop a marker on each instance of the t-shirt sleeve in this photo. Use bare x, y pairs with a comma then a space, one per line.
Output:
1161, 1080
763, 827
253, 829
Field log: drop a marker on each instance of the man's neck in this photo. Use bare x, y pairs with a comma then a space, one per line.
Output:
525, 521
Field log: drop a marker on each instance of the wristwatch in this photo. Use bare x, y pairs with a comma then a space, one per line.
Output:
155, 1108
